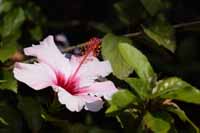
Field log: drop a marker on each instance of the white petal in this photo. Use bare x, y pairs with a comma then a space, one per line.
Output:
48, 53
37, 76
91, 69
94, 106
77, 102
105, 89
73, 103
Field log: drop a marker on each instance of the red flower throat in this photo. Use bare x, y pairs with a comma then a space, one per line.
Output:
92, 47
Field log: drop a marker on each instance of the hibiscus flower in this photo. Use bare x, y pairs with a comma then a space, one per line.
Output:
74, 80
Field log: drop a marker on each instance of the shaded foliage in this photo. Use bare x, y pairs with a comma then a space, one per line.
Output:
156, 71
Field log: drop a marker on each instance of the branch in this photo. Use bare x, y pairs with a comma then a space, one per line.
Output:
177, 26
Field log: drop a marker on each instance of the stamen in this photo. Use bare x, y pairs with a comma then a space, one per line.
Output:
92, 47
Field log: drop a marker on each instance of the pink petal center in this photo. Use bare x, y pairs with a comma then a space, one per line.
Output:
70, 84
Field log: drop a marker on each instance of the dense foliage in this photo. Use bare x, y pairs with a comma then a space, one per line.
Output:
152, 46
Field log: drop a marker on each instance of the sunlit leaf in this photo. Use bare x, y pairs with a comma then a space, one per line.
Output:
139, 86
181, 114
5, 6
9, 83
111, 52
175, 88
138, 61
121, 100
7, 50
12, 21
159, 122
112, 109
162, 33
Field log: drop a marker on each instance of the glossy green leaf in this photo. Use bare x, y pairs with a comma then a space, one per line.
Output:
9, 83
181, 114
5, 6
112, 110
138, 61
121, 100
32, 112
175, 88
162, 33
7, 50
152, 6
158, 122
12, 21
111, 52
139, 86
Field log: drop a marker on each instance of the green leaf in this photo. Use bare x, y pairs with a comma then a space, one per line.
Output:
111, 52
121, 100
152, 6
138, 61
36, 33
162, 33
1, 81
3, 121
12, 21
181, 114
32, 112
7, 49
139, 86
120, 8
9, 82
113, 109
5, 6
159, 122
175, 88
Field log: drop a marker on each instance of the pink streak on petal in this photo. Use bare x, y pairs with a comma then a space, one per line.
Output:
71, 85
37, 76
48, 53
